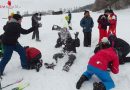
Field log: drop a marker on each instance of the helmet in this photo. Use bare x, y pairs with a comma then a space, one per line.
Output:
105, 40
12, 14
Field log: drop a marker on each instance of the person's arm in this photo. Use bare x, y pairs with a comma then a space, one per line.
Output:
92, 23
24, 31
82, 23
115, 65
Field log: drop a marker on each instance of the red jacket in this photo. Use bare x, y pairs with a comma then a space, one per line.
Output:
113, 22
103, 58
32, 53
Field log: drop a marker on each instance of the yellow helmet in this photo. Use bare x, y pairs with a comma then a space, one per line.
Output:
12, 13
67, 18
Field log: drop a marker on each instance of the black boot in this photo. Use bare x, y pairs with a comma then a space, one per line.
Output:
80, 81
98, 86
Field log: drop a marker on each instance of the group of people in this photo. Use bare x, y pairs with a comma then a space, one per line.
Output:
9, 38
107, 24
108, 54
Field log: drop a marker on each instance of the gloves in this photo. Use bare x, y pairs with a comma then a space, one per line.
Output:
39, 25
76, 35
49, 66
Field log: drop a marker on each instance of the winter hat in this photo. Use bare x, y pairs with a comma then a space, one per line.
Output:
17, 17
111, 11
86, 12
106, 11
105, 40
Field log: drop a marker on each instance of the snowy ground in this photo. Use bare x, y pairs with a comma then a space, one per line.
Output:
57, 79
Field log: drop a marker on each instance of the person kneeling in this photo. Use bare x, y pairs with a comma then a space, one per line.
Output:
33, 58
98, 65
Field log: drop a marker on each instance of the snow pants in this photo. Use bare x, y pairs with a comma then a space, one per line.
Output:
8, 50
102, 33
104, 76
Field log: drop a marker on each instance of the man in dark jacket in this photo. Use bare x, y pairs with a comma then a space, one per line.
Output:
122, 47
12, 31
87, 24
35, 18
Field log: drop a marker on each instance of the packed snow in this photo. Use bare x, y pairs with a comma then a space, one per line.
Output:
57, 79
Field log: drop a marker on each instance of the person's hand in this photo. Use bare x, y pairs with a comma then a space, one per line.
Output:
76, 34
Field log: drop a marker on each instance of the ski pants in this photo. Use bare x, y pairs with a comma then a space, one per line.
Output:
8, 50
102, 33
104, 76
87, 38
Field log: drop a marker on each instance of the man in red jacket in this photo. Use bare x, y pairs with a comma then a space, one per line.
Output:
98, 65
33, 57
113, 22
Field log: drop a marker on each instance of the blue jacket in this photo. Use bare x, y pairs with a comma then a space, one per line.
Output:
87, 23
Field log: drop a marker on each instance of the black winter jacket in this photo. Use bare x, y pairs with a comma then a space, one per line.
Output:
121, 46
35, 20
12, 32
103, 21
71, 44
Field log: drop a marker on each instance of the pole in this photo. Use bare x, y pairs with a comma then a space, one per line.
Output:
8, 10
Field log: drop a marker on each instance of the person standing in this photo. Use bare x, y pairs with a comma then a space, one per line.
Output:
35, 18
103, 22
113, 22
12, 31
87, 24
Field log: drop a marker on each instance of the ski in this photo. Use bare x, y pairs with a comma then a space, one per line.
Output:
21, 86
18, 81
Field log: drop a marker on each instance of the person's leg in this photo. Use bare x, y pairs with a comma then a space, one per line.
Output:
84, 77
33, 35
37, 35
85, 39
8, 50
105, 77
100, 35
126, 59
68, 64
22, 53
89, 38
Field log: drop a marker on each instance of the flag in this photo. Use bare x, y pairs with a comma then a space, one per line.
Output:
9, 3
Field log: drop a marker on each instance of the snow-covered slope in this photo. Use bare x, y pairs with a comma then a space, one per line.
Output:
57, 79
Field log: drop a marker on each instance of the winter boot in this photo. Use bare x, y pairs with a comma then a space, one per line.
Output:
81, 80
98, 86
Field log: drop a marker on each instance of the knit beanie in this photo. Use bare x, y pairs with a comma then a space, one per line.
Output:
17, 17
